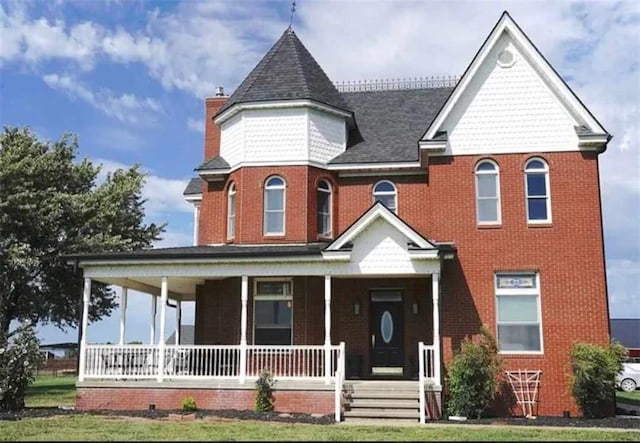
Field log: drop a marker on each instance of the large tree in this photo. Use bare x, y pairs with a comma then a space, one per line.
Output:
52, 205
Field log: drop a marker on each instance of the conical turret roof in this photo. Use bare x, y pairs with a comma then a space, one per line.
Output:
287, 72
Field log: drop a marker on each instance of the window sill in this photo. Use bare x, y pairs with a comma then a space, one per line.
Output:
490, 226
522, 354
324, 237
540, 225
278, 236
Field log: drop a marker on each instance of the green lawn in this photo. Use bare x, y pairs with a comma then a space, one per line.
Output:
87, 427
629, 397
52, 391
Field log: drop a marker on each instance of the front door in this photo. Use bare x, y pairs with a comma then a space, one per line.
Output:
386, 332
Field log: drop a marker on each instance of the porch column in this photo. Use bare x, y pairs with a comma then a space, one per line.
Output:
327, 329
178, 320
154, 307
435, 296
164, 293
196, 219
244, 296
86, 294
123, 315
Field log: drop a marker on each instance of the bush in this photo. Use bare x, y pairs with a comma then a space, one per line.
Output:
594, 377
189, 404
264, 392
473, 376
19, 359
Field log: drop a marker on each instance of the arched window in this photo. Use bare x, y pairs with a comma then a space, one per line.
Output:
231, 211
385, 193
324, 208
536, 173
488, 193
274, 205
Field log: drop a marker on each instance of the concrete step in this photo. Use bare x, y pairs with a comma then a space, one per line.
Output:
405, 395
364, 421
384, 404
380, 413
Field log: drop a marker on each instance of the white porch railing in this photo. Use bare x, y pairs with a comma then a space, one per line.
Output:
428, 373
206, 362
291, 362
339, 382
121, 361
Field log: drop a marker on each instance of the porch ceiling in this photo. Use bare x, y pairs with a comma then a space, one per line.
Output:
180, 288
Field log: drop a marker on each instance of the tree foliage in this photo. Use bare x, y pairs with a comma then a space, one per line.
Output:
594, 377
51, 205
473, 376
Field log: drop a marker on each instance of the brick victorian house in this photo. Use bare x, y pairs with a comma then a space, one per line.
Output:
348, 240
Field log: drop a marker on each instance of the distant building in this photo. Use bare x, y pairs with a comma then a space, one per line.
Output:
187, 335
627, 332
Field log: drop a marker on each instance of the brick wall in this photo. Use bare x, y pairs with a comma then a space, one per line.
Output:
311, 402
211, 130
567, 253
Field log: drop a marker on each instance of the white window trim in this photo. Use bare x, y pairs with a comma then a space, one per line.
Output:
330, 192
394, 193
495, 172
547, 189
284, 206
231, 194
270, 297
537, 291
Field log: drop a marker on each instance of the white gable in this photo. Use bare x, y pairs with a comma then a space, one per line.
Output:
381, 249
521, 105
509, 109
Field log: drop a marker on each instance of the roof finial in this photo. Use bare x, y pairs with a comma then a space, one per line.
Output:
293, 9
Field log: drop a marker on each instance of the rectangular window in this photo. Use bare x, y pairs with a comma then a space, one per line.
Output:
518, 312
273, 312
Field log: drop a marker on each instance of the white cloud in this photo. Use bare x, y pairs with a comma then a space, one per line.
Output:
196, 125
163, 195
124, 107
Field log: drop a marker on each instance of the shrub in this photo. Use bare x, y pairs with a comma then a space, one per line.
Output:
594, 377
189, 404
19, 359
264, 392
473, 376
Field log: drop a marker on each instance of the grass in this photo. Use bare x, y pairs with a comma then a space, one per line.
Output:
52, 391
87, 427
629, 397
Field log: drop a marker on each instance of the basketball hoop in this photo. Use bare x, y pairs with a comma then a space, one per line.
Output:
525, 385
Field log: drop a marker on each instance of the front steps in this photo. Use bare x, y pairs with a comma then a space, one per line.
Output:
375, 400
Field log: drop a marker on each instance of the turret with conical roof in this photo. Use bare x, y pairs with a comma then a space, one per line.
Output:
287, 72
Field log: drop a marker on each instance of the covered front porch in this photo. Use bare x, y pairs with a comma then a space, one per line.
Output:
311, 315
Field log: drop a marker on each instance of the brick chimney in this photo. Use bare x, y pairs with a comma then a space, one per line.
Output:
211, 130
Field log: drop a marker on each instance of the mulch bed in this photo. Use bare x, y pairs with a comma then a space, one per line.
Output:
232, 414
577, 422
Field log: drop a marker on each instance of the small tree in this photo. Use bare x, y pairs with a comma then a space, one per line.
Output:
19, 360
264, 392
594, 377
473, 376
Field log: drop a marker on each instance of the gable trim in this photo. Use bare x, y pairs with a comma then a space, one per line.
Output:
507, 24
379, 210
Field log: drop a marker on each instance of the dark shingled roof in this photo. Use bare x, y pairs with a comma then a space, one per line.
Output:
390, 123
194, 186
214, 163
187, 335
221, 251
287, 72
626, 331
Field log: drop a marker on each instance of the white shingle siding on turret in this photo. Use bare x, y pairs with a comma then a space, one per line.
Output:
231, 140
327, 136
508, 110
286, 135
275, 135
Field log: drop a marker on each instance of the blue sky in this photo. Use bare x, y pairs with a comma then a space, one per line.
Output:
130, 78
